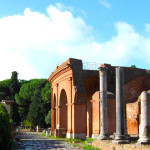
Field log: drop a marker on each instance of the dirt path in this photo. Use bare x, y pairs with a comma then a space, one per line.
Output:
33, 141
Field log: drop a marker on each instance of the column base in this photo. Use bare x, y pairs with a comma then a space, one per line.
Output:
103, 137
143, 141
79, 135
95, 136
119, 137
127, 136
121, 141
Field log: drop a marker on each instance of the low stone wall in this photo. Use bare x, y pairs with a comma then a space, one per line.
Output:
108, 145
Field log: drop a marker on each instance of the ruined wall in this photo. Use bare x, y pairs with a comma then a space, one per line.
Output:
132, 114
111, 107
70, 109
81, 88
135, 87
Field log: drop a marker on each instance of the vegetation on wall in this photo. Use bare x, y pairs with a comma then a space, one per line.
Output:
133, 66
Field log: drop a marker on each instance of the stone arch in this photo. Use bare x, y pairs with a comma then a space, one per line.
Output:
91, 85
63, 109
54, 106
134, 88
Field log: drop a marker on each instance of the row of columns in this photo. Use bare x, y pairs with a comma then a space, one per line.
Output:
120, 106
121, 127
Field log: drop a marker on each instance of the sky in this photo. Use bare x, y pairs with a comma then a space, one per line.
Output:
38, 35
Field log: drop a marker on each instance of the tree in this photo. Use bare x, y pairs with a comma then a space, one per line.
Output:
5, 129
14, 87
37, 112
4, 93
14, 114
4, 89
34, 100
14, 84
46, 92
40, 105
48, 118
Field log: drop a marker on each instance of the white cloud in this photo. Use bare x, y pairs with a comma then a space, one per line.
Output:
105, 3
33, 44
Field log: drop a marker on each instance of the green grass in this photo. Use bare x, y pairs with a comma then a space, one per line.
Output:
75, 144
73, 140
89, 147
87, 141
60, 138
113, 148
43, 134
85, 144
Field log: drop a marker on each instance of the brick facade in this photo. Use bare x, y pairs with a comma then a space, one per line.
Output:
76, 99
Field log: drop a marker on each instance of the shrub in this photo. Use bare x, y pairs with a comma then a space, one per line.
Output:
5, 128
27, 124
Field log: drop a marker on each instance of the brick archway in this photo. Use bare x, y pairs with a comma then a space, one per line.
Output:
63, 109
91, 85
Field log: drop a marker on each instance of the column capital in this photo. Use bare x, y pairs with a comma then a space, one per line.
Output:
119, 68
103, 71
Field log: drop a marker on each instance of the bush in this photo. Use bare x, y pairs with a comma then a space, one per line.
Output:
5, 128
27, 124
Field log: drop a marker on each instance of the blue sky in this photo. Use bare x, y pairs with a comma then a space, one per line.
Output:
38, 35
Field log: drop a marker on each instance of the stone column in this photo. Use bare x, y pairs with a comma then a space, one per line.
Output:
103, 104
145, 119
120, 137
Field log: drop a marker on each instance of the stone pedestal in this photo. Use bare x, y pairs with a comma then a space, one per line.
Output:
7, 104
120, 137
145, 119
103, 104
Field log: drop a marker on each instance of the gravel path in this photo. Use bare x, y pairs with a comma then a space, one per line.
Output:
33, 141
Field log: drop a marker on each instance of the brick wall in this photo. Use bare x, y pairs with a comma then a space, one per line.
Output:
133, 89
132, 111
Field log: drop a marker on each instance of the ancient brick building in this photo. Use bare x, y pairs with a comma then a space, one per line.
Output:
76, 99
